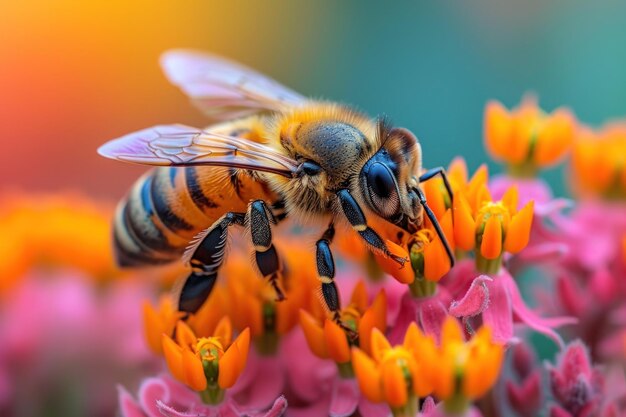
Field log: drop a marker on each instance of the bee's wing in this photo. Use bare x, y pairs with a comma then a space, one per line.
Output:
224, 89
179, 145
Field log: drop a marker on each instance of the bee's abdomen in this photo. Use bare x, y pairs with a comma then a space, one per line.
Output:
168, 206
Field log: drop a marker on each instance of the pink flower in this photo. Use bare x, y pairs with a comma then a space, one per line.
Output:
524, 391
497, 301
58, 329
576, 385
163, 396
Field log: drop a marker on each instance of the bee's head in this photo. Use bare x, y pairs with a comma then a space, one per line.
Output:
389, 178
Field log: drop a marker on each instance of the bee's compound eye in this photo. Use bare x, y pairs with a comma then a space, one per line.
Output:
382, 189
380, 181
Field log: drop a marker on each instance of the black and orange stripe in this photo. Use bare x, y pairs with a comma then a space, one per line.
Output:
169, 206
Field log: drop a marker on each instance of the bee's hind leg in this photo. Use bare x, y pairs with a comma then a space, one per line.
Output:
205, 255
260, 220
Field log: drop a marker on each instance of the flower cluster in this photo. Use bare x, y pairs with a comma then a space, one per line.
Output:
429, 338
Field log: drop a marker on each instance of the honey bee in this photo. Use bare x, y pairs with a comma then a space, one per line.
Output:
272, 154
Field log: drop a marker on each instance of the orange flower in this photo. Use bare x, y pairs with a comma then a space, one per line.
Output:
394, 375
64, 230
207, 364
161, 320
459, 368
456, 371
526, 138
436, 192
427, 253
491, 227
329, 340
599, 162
253, 300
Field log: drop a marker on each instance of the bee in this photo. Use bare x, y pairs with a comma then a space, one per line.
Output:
272, 154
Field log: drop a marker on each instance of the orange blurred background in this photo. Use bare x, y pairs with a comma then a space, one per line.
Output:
74, 74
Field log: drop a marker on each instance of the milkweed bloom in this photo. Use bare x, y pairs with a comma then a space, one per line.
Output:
599, 162
491, 227
328, 340
207, 364
526, 138
455, 371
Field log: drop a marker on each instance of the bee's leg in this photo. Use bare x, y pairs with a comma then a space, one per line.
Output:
205, 254
431, 173
326, 274
260, 219
355, 216
436, 225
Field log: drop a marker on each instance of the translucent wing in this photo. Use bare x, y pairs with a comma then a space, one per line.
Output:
179, 145
224, 89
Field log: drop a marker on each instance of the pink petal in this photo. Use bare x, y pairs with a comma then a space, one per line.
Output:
308, 377
128, 406
499, 314
525, 398
429, 312
151, 391
344, 398
370, 409
432, 314
428, 406
168, 411
603, 285
569, 295
556, 411
259, 396
523, 360
314, 409
475, 300
550, 208
529, 189
179, 393
408, 313
529, 317
439, 411
278, 408
459, 279
543, 252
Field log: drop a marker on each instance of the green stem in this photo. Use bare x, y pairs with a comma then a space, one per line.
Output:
410, 409
212, 395
345, 370
488, 266
421, 288
456, 405
267, 343
523, 170
373, 270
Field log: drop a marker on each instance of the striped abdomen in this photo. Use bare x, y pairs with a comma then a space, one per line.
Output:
168, 206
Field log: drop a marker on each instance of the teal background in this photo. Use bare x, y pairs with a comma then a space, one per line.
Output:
432, 66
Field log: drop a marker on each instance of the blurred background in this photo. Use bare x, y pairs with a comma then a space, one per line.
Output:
74, 74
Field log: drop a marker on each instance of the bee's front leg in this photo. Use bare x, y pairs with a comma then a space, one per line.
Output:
259, 220
356, 218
